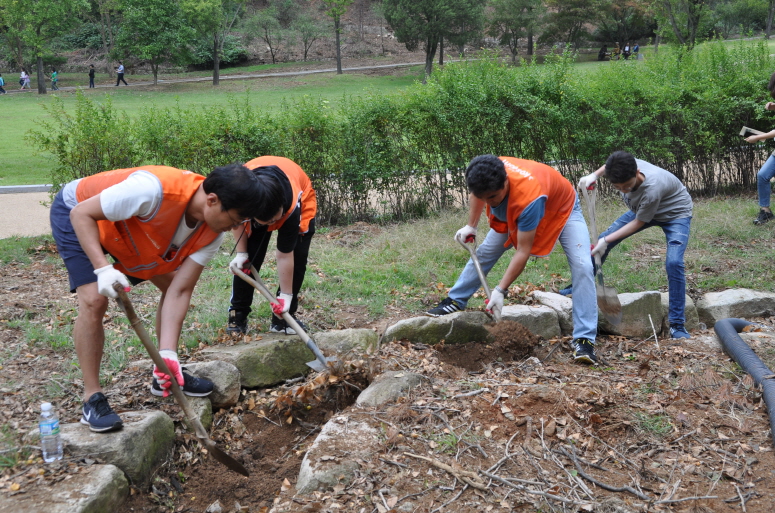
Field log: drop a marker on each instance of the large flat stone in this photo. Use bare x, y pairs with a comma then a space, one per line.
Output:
271, 360
456, 328
388, 387
96, 489
226, 378
636, 309
343, 341
741, 303
562, 305
142, 445
540, 320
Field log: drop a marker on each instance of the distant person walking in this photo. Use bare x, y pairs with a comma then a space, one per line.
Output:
91, 75
54, 80
2, 83
120, 74
24, 80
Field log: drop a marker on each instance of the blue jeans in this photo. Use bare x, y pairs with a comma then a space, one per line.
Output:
575, 242
763, 181
677, 237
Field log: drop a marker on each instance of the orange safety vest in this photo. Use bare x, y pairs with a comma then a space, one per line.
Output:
300, 184
142, 246
528, 181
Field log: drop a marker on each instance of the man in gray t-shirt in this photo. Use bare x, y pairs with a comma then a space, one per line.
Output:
655, 198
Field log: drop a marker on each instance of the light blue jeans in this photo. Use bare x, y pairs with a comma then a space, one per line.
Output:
677, 237
763, 181
575, 242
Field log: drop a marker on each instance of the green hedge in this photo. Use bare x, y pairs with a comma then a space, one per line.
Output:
403, 155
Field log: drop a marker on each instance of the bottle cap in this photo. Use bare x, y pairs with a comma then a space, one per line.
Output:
45, 406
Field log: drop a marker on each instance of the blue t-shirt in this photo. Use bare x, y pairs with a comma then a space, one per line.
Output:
528, 219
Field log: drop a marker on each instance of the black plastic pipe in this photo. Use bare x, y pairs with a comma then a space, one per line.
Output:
727, 331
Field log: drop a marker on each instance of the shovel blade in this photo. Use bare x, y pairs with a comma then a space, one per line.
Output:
224, 458
318, 366
608, 300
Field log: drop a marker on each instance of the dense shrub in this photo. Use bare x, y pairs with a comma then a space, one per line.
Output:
94, 139
233, 53
402, 155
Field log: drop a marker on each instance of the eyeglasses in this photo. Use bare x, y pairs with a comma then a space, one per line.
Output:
238, 222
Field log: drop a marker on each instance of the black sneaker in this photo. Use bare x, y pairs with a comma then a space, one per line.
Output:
584, 351
280, 326
447, 306
192, 386
99, 416
763, 217
678, 331
238, 323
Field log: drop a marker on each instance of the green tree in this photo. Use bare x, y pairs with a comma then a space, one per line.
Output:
624, 21
214, 19
37, 22
336, 9
567, 20
265, 25
428, 22
154, 31
684, 18
512, 20
105, 13
309, 31
746, 15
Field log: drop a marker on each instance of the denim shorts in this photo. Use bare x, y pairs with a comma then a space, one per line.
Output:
79, 268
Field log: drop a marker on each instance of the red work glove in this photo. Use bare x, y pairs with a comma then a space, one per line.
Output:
283, 304
171, 359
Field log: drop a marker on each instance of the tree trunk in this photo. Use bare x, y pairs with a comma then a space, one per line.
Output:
430, 53
338, 48
441, 52
656, 44
41, 76
530, 41
155, 69
216, 60
768, 31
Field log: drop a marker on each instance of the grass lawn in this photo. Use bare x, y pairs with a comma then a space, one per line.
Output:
21, 164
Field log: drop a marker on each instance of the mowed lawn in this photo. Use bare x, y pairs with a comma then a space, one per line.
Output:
22, 112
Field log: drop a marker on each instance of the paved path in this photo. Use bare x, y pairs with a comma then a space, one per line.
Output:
23, 214
241, 76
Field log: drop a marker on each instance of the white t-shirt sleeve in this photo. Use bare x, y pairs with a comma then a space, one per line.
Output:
139, 195
204, 255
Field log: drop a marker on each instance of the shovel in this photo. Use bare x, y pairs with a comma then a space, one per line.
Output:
321, 362
472, 250
607, 298
193, 420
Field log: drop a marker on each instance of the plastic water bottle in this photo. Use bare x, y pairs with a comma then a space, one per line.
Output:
50, 440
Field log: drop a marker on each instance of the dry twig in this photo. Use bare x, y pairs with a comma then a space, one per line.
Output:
470, 478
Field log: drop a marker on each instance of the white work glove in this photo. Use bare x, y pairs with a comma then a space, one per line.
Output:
495, 303
588, 181
239, 261
283, 304
600, 247
171, 359
466, 234
106, 277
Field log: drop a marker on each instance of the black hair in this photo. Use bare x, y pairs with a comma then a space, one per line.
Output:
273, 191
485, 173
620, 167
237, 187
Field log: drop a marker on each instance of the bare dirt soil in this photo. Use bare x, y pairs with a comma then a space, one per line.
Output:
655, 427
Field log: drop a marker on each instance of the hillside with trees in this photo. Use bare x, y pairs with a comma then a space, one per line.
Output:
153, 35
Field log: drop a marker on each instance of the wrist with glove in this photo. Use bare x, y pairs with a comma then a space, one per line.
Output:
466, 234
283, 304
171, 360
239, 262
106, 277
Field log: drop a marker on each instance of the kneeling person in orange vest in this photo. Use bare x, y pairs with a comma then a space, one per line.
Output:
530, 206
160, 224
295, 227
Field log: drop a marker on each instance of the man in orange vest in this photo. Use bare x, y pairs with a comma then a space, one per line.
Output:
295, 228
530, 207
160, 224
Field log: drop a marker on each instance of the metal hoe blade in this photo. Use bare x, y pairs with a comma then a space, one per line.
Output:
320, 363
193, 420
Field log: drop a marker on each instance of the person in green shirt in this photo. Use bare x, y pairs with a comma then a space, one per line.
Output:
2, 83
54, 80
